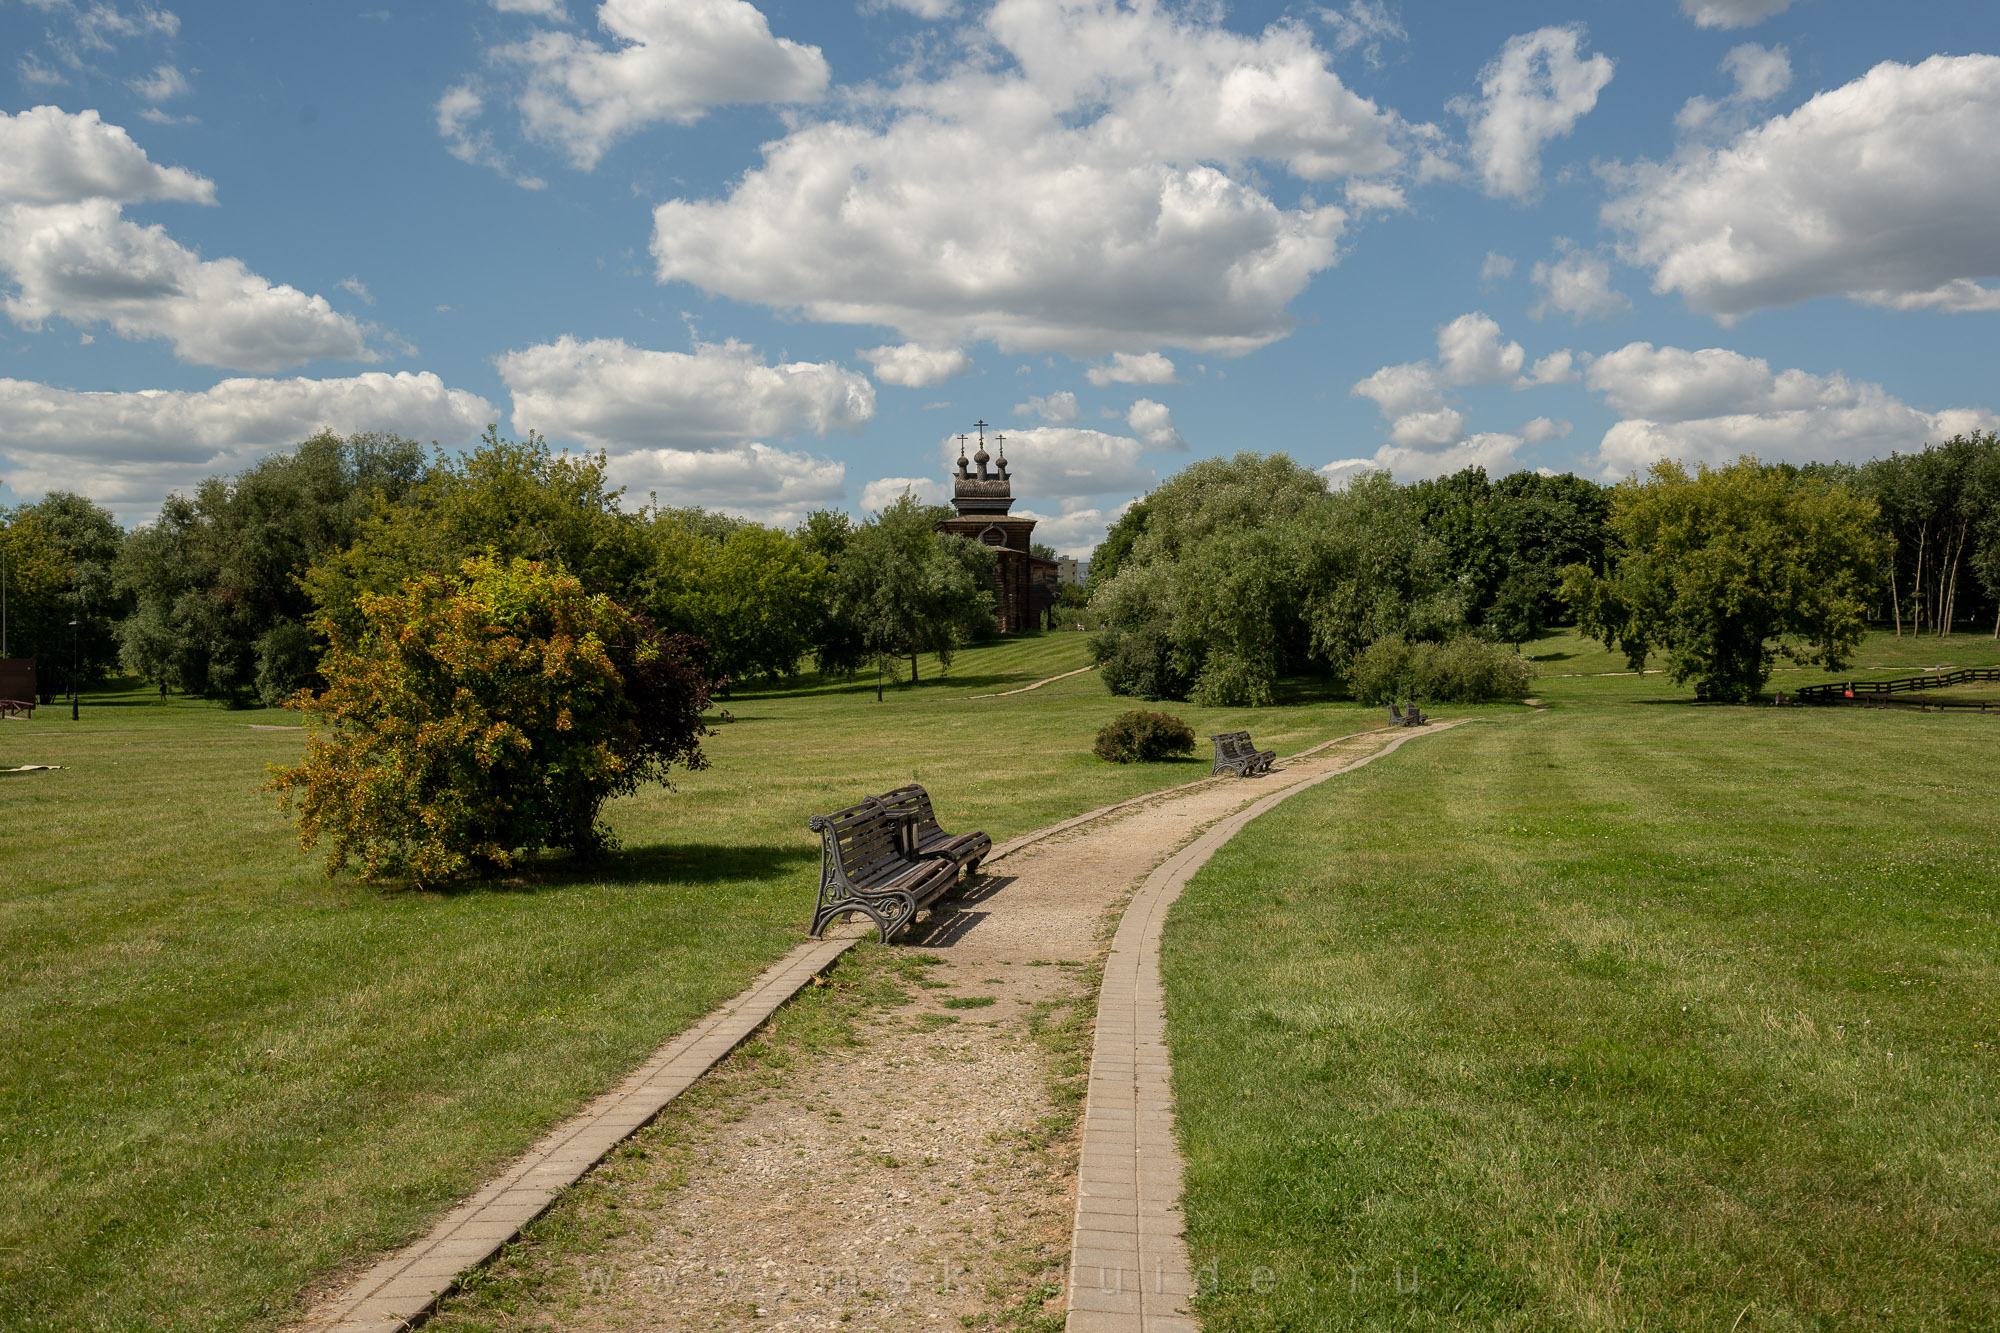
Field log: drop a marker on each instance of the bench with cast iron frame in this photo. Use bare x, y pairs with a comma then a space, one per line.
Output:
887, 859
922, 835
1415, 718
1236, 753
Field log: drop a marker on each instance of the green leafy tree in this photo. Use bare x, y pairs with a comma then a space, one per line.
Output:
1725, 570
1248, 569
902, 588
1504, 542
481, 715
505, 497
40, 600
1941, 510
85, 539
1111, 553
755, 594
218, 607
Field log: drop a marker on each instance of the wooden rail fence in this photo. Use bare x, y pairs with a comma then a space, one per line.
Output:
1882, 693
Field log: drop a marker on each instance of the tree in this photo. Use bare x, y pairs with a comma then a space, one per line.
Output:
1504, 541
480, 715
755, 594
1729, 568
85, 540
219, 609
901, 588
39, 600
1941, 510
1247, 569
1110, 555
508, 498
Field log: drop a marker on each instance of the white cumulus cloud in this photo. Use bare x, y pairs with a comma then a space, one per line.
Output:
1426, 431
51, 156
70, 253
1535, 91
1155, 425
1883, 189
1471, 351
127, 450
913, 366
1058, 409
1077, 177
1577, 283
1133, 368
665, 61
882, 492
691, 425
1713, 405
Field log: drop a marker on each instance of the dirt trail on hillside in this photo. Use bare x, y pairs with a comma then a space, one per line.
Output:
912, 1181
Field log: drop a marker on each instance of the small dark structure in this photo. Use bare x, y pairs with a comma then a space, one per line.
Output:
17, 686
1236, 753
1416, 717
1025, 585
887, 858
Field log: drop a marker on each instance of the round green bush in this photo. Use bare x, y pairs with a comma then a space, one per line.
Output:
1465, 670
1144, 737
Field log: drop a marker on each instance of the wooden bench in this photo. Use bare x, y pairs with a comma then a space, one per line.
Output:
924, 837
17, 708
864, 868
1236, 753
1415, 718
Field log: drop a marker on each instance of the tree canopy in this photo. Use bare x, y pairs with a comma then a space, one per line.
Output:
218, 604
1727, 569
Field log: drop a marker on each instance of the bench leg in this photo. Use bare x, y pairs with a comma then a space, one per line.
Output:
886, 928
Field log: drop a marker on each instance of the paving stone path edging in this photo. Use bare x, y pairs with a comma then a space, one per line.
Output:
1033, 836
401, 1290
1129, 1268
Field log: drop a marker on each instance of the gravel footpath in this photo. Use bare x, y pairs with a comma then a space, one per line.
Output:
924, 1178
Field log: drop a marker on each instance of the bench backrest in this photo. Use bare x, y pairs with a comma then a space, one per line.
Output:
1229, 744
864, 838
1395, 712
912, 802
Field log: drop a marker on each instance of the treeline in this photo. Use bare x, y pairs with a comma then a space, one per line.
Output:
1227, 577
1239, 571
236, 591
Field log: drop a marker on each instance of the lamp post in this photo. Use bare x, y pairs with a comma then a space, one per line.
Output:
75, 658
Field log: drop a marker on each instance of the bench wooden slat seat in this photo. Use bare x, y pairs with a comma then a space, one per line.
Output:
924, 837
1416, 717
1236, 753
863, 868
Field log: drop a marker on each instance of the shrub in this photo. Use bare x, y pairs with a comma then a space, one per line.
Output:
480, 716
1138, 663
1144, 737
1465, 670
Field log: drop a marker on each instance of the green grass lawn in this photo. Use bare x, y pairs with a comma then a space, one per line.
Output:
1627, 1014
225, 1076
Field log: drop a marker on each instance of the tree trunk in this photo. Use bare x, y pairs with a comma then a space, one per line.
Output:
1951, 584
1895, 603
913, 668
1917, 581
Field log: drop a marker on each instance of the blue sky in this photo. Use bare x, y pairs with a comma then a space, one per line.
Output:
770, 257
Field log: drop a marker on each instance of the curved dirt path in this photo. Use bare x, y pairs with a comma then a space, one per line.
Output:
925, 1178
